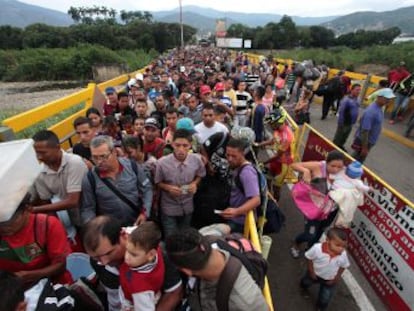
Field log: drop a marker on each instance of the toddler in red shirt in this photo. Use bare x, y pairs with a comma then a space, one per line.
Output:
142, 274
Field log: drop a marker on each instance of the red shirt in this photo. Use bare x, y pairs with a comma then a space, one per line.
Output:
155, 148
109, 109
146, 278
20, 252
396, 76
283, 141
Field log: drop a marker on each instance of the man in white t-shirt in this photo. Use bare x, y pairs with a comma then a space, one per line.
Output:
326, 263
208, 126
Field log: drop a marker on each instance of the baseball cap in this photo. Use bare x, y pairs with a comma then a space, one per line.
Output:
182, 69
151, 122
354, 170
132, 82
185, 124
386, 92
205, 89
139, 76
153, 95
219, 87
110, 90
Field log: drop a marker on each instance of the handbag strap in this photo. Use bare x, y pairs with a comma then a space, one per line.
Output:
116, 191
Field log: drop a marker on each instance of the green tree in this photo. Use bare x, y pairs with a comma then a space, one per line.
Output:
265, 37
130, 16
362, 38
288, 36
75, 14
42, 35
10, 37
321, 37
238, 31
89, 15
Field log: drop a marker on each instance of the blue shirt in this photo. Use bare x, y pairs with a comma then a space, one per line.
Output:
371, 121
348, 111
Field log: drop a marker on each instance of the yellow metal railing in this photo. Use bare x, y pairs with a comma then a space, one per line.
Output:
64, 128
250, 232
28, 118
291, 176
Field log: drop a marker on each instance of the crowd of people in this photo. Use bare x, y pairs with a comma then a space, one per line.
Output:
157, 162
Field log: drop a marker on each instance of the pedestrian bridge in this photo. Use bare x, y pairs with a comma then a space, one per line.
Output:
382, 234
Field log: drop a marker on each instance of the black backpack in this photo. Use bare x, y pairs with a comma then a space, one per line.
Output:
275, 219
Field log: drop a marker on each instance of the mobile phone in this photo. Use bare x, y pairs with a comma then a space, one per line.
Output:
217, 211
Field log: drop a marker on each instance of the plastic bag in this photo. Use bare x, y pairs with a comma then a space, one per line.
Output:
314, 204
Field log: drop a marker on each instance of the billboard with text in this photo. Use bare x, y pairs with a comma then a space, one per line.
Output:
235, 43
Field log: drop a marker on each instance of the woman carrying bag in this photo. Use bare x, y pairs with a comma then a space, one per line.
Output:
321, 174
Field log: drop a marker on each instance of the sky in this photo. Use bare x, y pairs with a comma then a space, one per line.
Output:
290, 7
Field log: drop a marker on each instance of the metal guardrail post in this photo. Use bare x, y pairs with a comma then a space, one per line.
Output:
364, 89
6, 134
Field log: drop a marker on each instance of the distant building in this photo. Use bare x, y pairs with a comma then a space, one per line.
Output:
404, 38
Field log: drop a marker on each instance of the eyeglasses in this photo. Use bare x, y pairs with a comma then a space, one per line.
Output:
103, 157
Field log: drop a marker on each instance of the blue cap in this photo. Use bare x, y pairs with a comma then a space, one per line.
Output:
110, 90
386, 92
185, 124
354, 170
153, 95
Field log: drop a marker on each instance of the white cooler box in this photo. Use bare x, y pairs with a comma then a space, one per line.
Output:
19, 168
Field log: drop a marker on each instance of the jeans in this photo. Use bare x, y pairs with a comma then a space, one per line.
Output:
328, 101
170, 224
400, 103
325, 291
314, 229
356, 154
240, 120
342, 134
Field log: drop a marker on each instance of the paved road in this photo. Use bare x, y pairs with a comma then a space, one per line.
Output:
393, 163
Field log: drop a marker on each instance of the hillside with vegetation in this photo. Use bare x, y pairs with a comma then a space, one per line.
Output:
402, 18
19, 14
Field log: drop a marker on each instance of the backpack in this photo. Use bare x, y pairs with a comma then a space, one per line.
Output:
52, 297
242, 253
269, 208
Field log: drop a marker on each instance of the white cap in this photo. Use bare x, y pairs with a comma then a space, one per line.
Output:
132, 82
182, 69
19, 169
139, 76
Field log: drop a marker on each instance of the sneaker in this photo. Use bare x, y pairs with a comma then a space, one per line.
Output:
294, 252
391, 121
